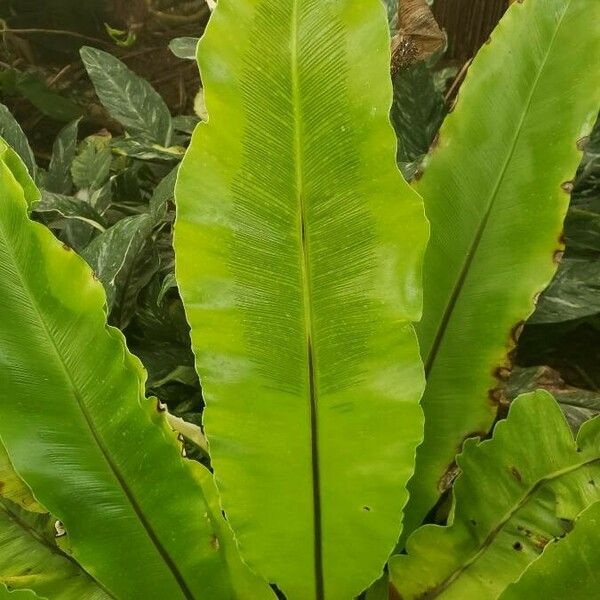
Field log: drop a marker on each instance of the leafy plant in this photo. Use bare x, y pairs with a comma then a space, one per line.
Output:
484, 187
299, 251
52, 325
301, 315
516, 493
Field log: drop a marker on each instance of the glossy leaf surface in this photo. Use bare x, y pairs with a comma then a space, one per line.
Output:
496, 192
298, 256
128, 98
78, 429
517, 493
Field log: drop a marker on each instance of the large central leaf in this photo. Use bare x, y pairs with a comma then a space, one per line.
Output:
298, 255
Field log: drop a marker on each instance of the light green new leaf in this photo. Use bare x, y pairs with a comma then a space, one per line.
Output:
128, 98
568, 569
492, 190
516, 493
298, 256
184, 47
79, 431
30, 558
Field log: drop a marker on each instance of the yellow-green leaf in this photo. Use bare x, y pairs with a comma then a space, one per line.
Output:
299, 253
496, 190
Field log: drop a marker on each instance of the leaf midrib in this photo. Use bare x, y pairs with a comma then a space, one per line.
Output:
307, 298
451, 579
114, 469
470, 256
53, 549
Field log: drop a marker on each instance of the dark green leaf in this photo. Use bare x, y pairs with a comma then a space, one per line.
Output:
582, 231
128, 98
577, 404
91, 166
46, 100
417, 113
573, 293
69, 207
186, 123
164, 192
392, 10
59, 178
12, 133
124, 260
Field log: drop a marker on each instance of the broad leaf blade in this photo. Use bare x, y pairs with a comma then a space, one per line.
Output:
298, 256
57, 206
30, 558
567, 569
492, 190
124, 260
246, 584
517, 493
78, 430
128, 98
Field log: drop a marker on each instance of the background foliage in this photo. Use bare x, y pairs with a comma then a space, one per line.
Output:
104, 146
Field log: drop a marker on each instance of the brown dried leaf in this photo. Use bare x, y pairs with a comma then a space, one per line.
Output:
419, 36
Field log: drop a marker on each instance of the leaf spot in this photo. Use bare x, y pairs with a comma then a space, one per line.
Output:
516, 474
